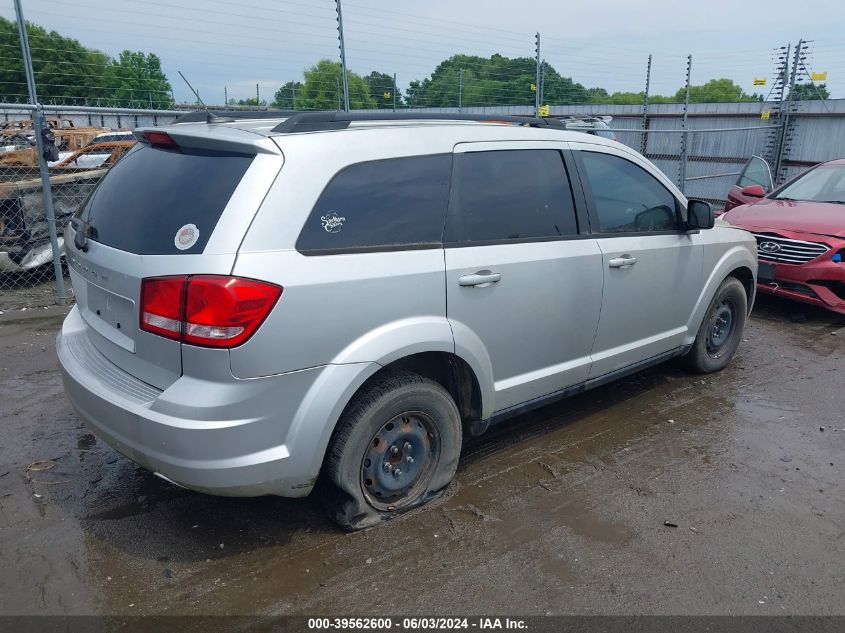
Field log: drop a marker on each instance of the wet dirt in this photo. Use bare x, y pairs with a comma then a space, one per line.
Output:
563, 510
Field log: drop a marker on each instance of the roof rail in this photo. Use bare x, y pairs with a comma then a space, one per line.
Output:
338, 120
198, 116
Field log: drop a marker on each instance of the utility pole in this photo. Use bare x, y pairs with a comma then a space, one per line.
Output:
342, 55
682, 166
537, 82
225, 95
460, 90
394, 92
293, 95
257, 96
38, 126
644, 143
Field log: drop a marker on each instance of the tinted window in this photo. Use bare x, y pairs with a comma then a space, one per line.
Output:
509, 195
151, 195
381, 204
756, 172
627, 197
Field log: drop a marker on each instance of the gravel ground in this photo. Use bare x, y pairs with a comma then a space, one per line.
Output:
665, 493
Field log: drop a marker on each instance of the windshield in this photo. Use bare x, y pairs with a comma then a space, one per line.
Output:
822, 184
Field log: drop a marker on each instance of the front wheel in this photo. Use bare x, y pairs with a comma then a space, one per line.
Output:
721, 331
396, 447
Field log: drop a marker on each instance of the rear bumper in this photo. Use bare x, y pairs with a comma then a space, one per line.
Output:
820, 283
226, 437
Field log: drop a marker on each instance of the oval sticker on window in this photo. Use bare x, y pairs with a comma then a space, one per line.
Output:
186, 237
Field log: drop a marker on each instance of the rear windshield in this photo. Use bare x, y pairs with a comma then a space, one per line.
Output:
161, 202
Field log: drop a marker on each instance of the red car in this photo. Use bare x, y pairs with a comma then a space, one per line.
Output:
800, 231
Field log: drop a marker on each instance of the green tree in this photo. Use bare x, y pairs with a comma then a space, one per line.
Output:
498, 80
251, 102
716, 91
380, 86
322, 89
809, 92
65, 71
135, 80
285, 97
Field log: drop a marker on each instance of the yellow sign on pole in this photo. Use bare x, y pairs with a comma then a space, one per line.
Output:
760, 82
387, 95
544, 110
533, 87
765, 114
819, 76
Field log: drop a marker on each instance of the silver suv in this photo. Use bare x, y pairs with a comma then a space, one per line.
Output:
337, 300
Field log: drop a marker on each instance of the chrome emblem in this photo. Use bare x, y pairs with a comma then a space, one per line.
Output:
769, 247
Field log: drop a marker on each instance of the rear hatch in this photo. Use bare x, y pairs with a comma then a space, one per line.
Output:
178, 203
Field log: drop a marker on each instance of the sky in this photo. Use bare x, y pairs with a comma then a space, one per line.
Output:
220, 44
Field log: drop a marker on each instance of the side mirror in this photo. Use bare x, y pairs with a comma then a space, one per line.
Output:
700, 215
755, 191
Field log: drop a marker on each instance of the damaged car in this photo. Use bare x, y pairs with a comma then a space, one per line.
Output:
800, 233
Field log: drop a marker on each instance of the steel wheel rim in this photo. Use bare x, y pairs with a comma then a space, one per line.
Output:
400, 460
720, 328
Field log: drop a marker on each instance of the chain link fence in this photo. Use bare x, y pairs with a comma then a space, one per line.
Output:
87, 144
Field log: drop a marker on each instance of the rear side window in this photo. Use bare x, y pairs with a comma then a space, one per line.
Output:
398, 202
162, 202
510, 195
627, 198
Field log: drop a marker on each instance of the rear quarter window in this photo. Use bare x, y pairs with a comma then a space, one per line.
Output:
153, 197
380, 205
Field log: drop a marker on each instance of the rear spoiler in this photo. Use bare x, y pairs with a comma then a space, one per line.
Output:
221, 139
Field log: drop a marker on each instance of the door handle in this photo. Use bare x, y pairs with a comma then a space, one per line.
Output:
479, 279
622, 262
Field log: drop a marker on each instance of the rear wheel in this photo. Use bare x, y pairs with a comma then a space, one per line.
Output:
721, 331
395, 448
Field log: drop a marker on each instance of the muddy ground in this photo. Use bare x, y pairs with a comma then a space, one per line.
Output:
563, 510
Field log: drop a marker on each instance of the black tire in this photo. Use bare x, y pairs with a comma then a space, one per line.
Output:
721, 330
400, 421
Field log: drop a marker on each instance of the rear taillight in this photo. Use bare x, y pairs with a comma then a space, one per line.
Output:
161, 305
206, 310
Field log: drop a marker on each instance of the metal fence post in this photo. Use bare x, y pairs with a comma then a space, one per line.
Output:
682, 166
342, 55
38, 123
537, 81
778, 90
460, 90
779, 170
542, 80
644, 143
